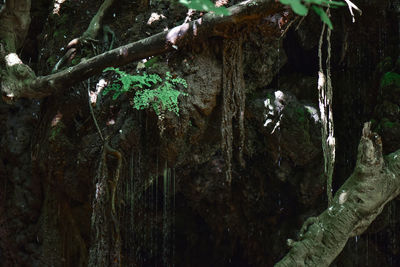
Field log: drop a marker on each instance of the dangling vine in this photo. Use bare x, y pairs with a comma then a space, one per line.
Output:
106, 238
324, 78
325, 96
233, 101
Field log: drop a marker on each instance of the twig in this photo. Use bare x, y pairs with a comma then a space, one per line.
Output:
352, 6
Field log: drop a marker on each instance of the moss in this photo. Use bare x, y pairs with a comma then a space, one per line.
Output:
388, 125
51, 61
374, 125
54, 133
152, 63
299, 111
59, 33
75, 61
56, 130
63, 20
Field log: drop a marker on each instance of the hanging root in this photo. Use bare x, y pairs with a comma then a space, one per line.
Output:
106, 238
88, 36
325, 96
351, 7
114, 185
233, 101
92, 112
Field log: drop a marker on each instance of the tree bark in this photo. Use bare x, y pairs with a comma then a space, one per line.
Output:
210, 25
374, 182
15, 19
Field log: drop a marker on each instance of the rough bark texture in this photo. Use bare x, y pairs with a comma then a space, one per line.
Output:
356, 204
15, 21
234, 101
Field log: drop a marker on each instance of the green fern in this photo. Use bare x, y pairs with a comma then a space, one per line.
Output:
130, 81
390, 78
162, 98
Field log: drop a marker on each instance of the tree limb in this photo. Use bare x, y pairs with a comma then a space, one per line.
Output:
357, 203
208, 26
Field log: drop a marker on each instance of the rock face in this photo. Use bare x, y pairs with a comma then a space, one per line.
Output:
172, 203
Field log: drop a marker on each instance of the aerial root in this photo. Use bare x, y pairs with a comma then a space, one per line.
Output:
352, 6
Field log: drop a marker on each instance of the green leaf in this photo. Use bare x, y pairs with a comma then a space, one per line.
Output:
390, 78
205, 5
324, 17
324, 3
333, 3
299, 8
164, 97
296, 6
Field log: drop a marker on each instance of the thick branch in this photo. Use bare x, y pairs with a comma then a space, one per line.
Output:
208, 26
374, 182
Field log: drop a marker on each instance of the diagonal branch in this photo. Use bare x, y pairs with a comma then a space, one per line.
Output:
208, 26
374, 182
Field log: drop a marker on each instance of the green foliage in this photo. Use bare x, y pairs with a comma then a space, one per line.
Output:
301, 7
205, 5
130, 81
54, 133
163, 97
151, 63
296, 6
324, 17
390, 78
388, 125
301, 114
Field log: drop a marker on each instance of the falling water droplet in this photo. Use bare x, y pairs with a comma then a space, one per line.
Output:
166, 177
279, 199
